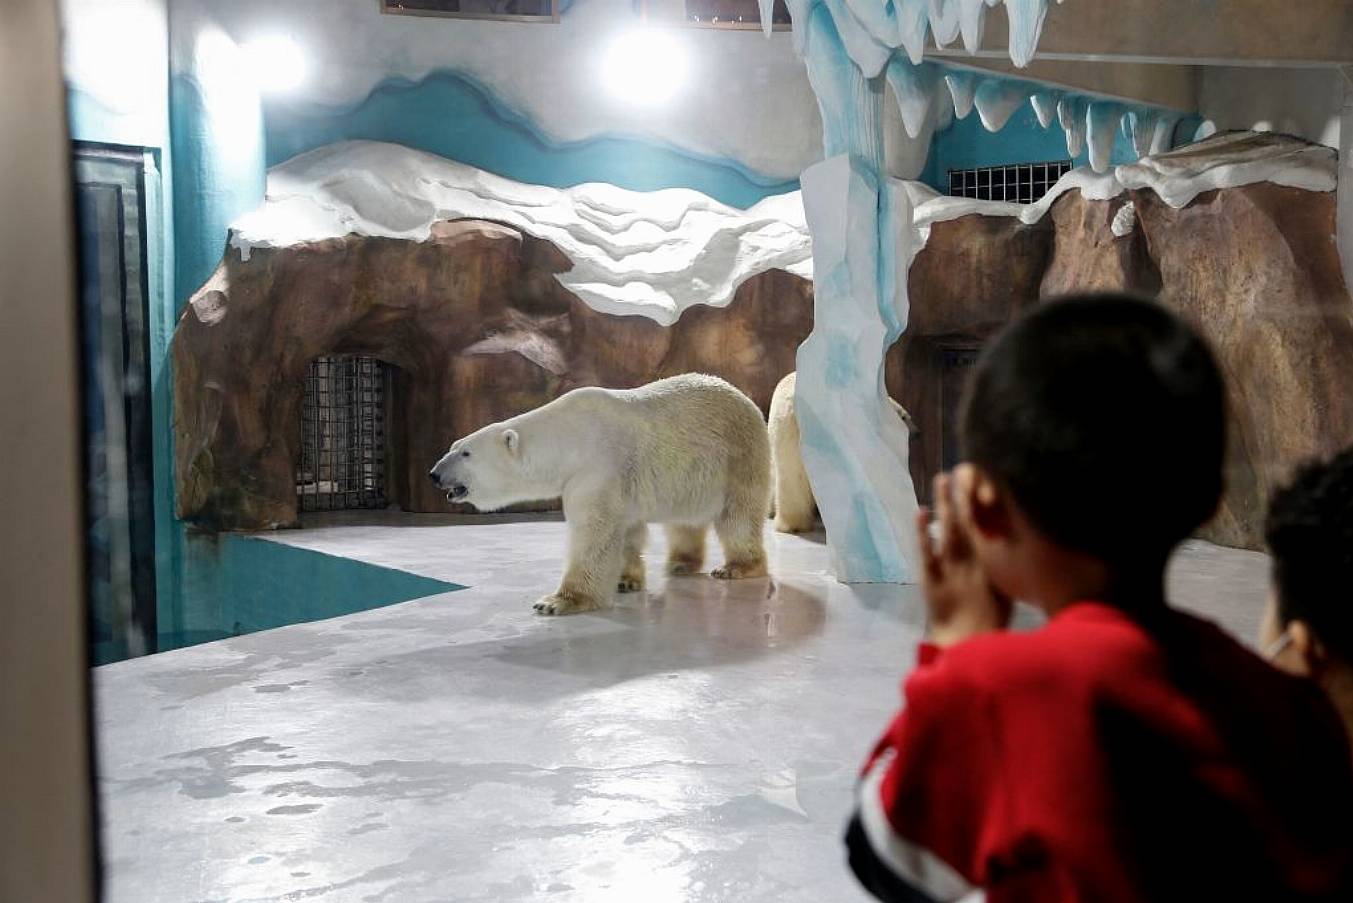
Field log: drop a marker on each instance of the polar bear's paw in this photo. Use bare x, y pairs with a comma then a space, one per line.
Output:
631, 583
564, 603
683, 567
738, 570
785, 525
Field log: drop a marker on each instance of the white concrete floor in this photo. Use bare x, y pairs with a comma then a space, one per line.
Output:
697, 742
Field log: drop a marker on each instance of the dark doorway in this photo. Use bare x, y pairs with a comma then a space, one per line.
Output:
955, 366
115, 354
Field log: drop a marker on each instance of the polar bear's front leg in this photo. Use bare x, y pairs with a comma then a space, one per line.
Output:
596, 538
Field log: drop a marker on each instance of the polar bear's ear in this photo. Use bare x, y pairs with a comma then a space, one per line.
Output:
511, 440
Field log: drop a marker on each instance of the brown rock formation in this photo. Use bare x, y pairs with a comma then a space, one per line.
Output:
1257, 271
1088, 257
1254, 268
972, 277
477, 328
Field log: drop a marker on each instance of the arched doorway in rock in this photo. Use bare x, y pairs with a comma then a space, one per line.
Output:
930, 373
349, 429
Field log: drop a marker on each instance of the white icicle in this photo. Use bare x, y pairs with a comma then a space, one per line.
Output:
870, 54
767, 10
943, 105
961, 86
1066, 111
799, 10
879, 19
1101, 122
1143, 130
1045, 106
996, 99
913, 24
971, 14
1162, 138
944, 18
1071, 116
914, 88
1026, 24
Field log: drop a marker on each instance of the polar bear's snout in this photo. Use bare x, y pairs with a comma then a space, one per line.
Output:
455, 490
448, 475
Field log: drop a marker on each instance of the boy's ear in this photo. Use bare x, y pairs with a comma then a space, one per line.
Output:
1307, 646
982, 502
511, 440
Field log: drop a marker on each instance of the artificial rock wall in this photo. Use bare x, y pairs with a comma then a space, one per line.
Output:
477, 327
1254, 268
480, 330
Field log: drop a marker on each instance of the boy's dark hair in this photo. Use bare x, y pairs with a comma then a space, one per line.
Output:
1310, 534
1104, 416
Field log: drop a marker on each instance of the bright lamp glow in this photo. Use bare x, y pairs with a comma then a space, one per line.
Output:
275, 63
644, 67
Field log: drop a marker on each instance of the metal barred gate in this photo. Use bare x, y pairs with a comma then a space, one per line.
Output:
343, 435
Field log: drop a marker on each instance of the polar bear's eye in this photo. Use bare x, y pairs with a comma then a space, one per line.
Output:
465, 454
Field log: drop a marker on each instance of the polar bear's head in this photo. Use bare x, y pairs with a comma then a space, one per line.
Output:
484, 469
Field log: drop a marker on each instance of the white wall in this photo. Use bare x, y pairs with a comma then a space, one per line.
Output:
1303, 102
1316, 104
747, 97
116, 60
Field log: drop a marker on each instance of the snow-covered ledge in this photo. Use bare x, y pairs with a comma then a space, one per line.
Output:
649, 253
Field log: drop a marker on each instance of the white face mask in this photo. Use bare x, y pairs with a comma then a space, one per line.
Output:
1277, 647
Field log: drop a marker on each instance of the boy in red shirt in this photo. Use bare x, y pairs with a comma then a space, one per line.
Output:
1124, 751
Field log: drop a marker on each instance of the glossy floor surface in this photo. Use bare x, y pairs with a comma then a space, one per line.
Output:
696, 742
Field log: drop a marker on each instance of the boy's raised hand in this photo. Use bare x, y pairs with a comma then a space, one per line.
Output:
960, 600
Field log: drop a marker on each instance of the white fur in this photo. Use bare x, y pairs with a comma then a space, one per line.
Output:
686, 452
794, 505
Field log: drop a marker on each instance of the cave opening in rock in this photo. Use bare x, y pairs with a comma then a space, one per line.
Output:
346, 431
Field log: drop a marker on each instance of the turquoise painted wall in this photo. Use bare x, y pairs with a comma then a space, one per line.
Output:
220, 174
456, 117
966, 144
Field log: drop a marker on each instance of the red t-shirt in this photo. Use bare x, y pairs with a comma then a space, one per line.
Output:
1096, 760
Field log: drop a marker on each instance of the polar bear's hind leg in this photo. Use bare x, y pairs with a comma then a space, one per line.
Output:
743, 549
685, 549
740, 527
632, 574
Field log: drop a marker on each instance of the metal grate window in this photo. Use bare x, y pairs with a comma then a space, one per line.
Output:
342, 462
1021, 183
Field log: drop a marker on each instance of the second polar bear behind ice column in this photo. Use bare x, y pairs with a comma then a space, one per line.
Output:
687, 452
794, 505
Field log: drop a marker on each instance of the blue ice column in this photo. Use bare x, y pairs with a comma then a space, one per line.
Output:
854, 445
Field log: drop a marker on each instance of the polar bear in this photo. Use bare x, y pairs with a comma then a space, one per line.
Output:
794, 504
687, 451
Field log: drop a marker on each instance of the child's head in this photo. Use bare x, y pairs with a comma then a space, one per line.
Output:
1310, 536
1094, 426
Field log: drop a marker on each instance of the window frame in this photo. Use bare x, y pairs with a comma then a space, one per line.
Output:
642, 7
556, 11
